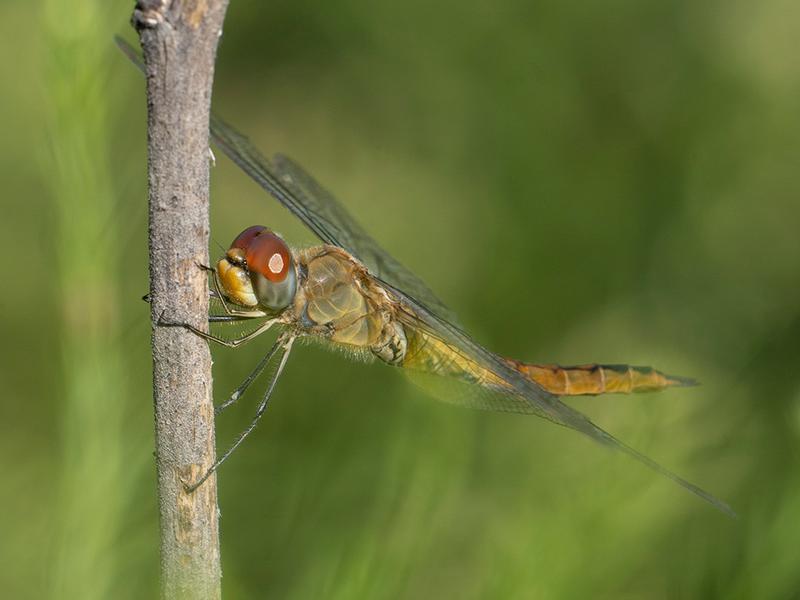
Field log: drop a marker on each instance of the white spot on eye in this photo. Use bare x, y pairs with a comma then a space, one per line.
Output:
275, 263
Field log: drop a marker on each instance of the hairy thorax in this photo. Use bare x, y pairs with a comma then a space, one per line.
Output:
338, 301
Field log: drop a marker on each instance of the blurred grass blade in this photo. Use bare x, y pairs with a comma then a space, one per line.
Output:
91, 490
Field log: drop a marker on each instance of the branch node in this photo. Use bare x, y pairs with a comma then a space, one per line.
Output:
149, 14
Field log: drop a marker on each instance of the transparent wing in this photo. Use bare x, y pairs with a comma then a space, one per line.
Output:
315, 206
498, 386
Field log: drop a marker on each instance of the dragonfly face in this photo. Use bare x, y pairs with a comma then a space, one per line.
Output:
258, 271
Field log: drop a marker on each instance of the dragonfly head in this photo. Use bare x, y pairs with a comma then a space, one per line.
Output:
258, 270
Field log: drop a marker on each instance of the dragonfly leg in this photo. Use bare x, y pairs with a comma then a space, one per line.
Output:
229, 318
284, 345
213, 338
239, 391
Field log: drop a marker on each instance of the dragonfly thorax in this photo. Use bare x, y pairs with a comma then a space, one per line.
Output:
339, 301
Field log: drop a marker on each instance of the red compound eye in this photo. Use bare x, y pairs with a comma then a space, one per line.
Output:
265, 252
243, 240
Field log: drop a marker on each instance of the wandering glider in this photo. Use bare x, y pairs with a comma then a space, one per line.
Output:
351, 293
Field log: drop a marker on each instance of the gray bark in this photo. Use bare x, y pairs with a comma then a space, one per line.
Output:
179, 41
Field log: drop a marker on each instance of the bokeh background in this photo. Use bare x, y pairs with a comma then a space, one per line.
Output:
613, 181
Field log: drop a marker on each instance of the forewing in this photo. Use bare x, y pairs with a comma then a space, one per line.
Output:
317, 208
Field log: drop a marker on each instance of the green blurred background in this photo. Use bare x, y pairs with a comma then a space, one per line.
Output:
612, 181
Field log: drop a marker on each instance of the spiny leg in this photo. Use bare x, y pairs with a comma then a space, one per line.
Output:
250, 313
213, 338
239, 391
227, 319
285, 347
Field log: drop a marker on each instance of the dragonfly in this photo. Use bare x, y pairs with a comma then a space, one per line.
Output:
351, 293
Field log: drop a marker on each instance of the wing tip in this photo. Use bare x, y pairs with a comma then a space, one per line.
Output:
725, 508
721, 506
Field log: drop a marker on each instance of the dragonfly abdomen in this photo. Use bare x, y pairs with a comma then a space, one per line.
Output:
593, 379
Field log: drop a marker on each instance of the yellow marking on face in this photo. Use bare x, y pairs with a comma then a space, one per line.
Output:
236, 283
